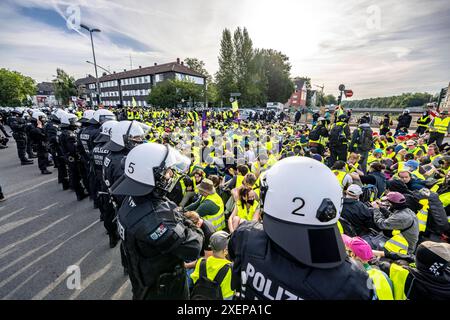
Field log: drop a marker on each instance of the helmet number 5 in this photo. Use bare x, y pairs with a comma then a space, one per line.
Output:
131, 168
302, 204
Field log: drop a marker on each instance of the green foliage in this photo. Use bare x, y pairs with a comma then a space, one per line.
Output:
14, 88
64, 87
198, 66
406, 100
171, 93
225, 76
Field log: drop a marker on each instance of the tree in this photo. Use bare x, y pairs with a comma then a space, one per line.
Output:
172, 92
198, 66
15, 87
225, 76
246, 83
330, 99
406, 100
276, 84
64, 86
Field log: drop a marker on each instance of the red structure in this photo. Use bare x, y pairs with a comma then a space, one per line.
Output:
298, 97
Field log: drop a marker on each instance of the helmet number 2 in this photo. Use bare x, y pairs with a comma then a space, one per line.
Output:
302, 204
131, 168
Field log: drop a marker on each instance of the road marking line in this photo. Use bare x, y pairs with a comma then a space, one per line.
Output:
31, 188
11, 214
37, 233
21, 285
48, 207
91, 279
29, 253
45, 292
13, 225
121, 290
15, 275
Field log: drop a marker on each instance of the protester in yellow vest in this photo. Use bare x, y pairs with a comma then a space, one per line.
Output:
210, 205
439, 127
361, 251
246, 208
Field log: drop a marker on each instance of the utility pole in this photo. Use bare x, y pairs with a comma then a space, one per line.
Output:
95, 62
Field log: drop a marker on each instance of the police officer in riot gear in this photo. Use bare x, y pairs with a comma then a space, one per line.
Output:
157, 238
87, 137
124, 137
98, 157
39, 138
18, 126
69, 147
52, 130
297, 252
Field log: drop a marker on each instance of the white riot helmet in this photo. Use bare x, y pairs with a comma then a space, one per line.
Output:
147, 167
302, 198
38, 115
69, 119
87, 115
105, 131
102, 115
126, 134
406, 111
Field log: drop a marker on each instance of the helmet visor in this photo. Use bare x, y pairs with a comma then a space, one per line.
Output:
177, 161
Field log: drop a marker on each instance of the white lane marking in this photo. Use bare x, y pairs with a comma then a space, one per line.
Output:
12, 225
21, 285
37, 233
121, 290
44, 292
91, 279
30, 188
11, 214
15, 275
29, 253
48, 207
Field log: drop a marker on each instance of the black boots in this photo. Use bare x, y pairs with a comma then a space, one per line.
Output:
26, 162
46, 171
2, 197
113, 241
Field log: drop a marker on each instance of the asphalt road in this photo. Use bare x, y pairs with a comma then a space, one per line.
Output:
45, 230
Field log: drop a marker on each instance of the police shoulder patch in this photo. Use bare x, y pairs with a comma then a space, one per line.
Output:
158, 232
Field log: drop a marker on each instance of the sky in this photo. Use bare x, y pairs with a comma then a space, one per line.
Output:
376, 48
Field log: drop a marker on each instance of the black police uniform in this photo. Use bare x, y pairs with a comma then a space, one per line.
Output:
31, 147
53, 132
112, 171
157, 240
264, 271
98, 156
69, 147
39, 139
18, 125
86, 137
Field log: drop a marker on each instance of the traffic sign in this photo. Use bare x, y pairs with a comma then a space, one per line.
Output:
231, 100
341, 87
348, 93
235, 94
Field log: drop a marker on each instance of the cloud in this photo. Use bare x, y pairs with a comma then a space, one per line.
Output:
376, 48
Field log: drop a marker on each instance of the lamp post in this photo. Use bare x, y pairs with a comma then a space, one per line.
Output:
99, 66
95, 63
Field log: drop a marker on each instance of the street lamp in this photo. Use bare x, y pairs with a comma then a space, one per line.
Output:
109, 72
93, 53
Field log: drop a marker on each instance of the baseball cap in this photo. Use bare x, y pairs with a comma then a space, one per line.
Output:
394, 197
354, 190
410, 143
359, 246
219, 240
413, 164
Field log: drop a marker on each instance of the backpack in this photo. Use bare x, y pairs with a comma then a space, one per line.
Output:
365, 141
337, 136
369, 194
314, 135
204, 288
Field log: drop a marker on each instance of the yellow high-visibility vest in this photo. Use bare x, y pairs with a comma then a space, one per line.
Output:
440, 125
397, 243
217, 219
245, 212
239, 180
422, 215
398, 275
340, 175
382, 287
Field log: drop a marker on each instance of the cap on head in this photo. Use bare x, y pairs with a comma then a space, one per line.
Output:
219, 241
395, 197
359, 247
433, 258
354, 190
